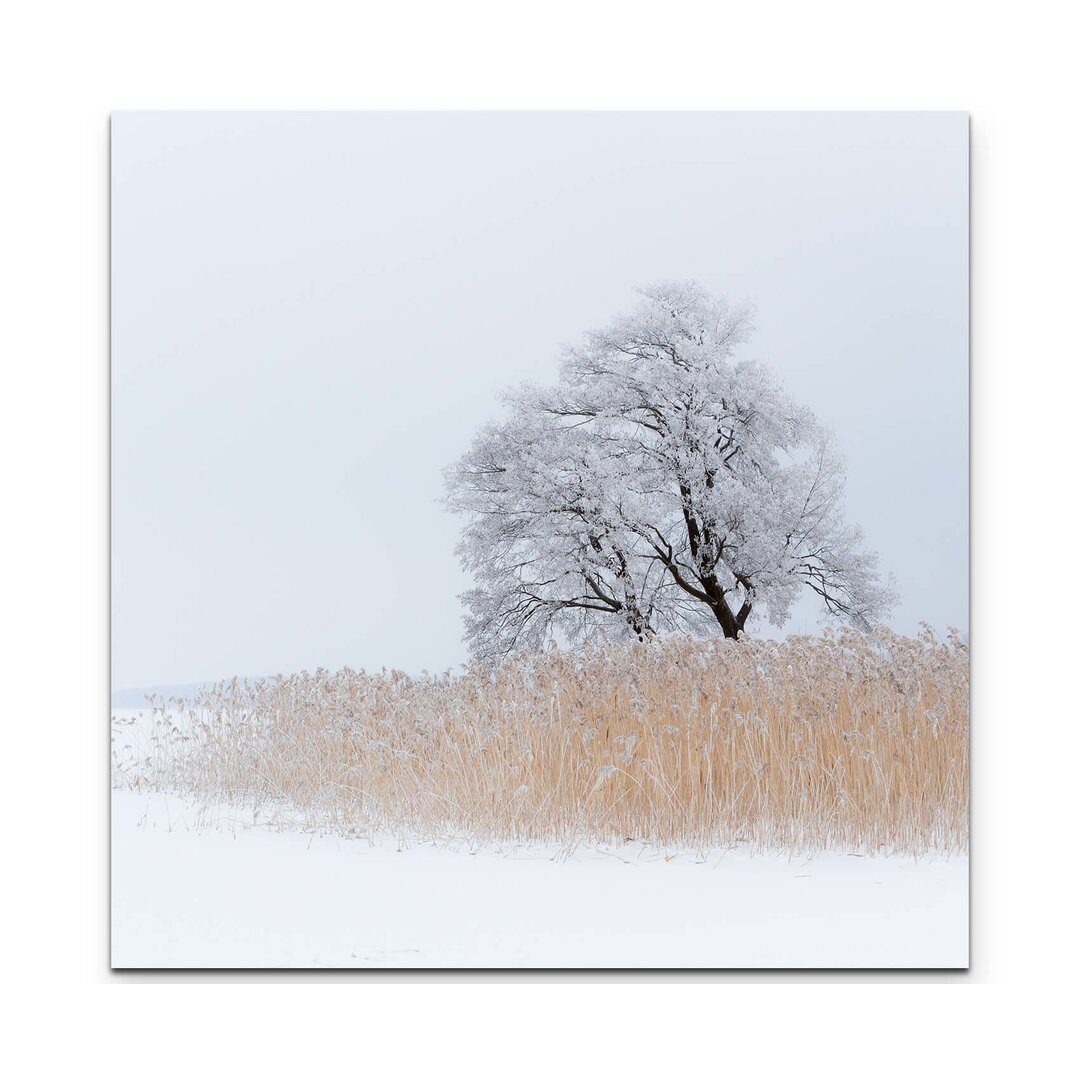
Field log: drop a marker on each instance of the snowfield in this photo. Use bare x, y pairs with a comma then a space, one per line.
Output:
206, 888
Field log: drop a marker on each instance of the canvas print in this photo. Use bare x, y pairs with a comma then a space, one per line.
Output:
539, 540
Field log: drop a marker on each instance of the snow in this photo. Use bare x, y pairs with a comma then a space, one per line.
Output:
660, 485
203, 887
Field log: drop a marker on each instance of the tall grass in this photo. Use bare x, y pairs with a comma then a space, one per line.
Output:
816, 742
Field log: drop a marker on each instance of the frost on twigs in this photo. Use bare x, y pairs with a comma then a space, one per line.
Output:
661, 484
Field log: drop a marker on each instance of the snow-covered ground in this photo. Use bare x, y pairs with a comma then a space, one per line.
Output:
193, 887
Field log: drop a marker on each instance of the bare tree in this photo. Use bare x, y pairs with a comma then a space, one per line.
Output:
658, 485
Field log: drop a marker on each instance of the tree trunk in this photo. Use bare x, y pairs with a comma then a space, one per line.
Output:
730, 623
642, 630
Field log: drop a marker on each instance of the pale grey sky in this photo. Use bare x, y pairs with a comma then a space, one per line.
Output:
312, 313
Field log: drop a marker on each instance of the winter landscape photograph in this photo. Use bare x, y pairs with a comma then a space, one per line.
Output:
539, 540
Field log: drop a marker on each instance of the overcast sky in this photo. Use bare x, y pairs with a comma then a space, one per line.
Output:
312, 314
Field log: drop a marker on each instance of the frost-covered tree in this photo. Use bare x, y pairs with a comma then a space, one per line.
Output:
660, 484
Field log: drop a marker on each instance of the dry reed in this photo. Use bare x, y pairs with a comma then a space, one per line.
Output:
836, 741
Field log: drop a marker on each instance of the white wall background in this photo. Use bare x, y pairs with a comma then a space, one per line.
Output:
67, 65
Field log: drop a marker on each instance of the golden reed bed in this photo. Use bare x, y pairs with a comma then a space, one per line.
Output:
837, 741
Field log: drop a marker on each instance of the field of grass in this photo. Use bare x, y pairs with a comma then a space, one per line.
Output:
832, 741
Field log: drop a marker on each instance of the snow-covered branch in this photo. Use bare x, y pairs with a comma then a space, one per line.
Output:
660, 484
